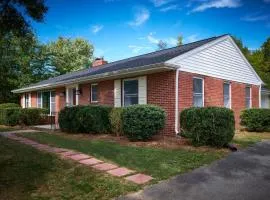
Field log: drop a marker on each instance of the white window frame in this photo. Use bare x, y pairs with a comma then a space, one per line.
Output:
250, 95
92, 101
123, 89
41, 104
27, 103
230, 94
202, 90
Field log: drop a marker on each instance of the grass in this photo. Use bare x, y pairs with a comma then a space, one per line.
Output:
245, 139
159, 163
28, 174
7, 128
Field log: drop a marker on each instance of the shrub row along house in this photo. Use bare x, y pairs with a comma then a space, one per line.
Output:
209, 72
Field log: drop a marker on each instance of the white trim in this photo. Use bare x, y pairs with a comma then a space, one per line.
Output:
67, 96
77, 95
196, 77
123, 89
260, 96
250, 96
117, 93
92, 93
29, 100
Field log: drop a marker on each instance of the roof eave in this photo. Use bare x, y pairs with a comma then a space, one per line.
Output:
107, 75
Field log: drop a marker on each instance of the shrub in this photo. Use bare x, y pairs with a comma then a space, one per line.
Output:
141, 122
9, 105
256, 119
85, 119
10, 116
31, 116
116, 121
213, 126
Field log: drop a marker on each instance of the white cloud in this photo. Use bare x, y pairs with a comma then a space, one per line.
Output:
217, 4
97, 28
141, 16
158, 3
136, 49
153, 40
255, 18
191, 38
169, 8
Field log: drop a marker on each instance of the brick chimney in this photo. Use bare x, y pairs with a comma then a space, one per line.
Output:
98, 62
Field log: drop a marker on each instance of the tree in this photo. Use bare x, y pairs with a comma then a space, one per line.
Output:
13, 14
266, 55
179, 40
161, 45
241, 46
66, 55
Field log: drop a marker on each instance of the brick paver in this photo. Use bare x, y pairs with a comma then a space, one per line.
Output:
139, 178
105, 166
81, 158
90, 161
121, 171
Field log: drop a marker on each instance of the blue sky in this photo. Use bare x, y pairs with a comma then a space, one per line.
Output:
123, 28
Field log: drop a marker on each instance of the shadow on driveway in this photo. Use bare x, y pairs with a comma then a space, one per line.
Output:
243, 175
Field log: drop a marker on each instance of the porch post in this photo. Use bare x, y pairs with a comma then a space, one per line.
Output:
67, 96
77, 95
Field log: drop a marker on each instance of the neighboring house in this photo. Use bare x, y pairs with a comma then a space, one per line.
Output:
265, 97
210, 72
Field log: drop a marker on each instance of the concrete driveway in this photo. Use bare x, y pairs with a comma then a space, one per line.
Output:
243, 175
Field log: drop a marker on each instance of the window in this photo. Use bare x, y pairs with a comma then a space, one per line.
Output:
248, 97
130, 92
39, 99
227, 95
27, 101
94, 92
198, 93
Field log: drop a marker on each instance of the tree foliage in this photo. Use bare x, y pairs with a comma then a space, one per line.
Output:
179, 40
66, 55
14, 12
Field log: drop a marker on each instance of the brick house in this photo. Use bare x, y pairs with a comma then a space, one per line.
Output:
209, 72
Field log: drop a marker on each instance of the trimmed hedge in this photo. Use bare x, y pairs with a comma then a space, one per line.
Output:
85, 119
213, 126
256, 119
9, 105
141, 122
116, 121
21, 116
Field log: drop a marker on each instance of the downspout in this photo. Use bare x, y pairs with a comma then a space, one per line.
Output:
176, 101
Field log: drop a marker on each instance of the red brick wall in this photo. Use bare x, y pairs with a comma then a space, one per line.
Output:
105, 93
213, 93
161, 92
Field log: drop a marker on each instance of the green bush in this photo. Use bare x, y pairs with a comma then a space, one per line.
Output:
18, 116
141, 122
9, 105
256, 119
116, 121
213, 126
10, 116
31, 116
85, 119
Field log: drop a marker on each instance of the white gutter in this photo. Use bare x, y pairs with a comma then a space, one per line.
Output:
94, 77
260, 96
176, 101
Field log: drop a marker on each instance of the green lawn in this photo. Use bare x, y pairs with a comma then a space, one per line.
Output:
245, 139
159, 163
28, 174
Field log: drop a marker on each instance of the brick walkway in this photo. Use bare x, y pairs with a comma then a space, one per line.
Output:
83, 159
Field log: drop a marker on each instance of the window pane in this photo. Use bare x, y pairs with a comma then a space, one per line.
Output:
26, 100
52, 102
46, 100
198, 100
226, 95
247, 92
94, 93
39, 100
130, 92
197, 85
197, 92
